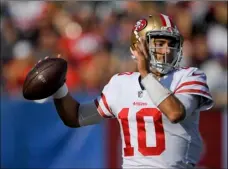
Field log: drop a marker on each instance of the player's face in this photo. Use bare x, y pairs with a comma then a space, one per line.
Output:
163, 49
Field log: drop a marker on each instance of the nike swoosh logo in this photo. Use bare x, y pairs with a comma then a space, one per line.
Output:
196, 74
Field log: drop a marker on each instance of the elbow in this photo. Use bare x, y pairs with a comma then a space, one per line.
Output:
71, 124
177, 115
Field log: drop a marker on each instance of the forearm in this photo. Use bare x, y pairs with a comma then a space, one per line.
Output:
172, 108
164, 99
67, 107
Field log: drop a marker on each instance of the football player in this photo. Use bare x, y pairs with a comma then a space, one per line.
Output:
157, 107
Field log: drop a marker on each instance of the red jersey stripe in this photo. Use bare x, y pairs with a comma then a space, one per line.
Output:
100, 111
191, 83
106, 103
193, 91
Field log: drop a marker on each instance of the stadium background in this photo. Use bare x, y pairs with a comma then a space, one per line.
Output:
94, 38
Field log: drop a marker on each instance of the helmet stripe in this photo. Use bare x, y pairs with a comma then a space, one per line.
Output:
167, 21
163, 20
171, 21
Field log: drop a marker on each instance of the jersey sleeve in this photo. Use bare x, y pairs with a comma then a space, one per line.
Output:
190, 102
195, 83
106, 99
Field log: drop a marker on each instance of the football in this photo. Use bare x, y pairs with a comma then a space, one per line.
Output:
45, 78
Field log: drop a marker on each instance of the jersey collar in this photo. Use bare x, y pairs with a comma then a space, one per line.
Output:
141, 86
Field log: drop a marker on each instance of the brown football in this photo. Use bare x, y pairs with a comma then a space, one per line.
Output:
45, 79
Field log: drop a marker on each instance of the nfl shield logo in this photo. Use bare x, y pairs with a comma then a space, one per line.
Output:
140, 94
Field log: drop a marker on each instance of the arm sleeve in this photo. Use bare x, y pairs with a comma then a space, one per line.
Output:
94, 111
88, 114
195, 83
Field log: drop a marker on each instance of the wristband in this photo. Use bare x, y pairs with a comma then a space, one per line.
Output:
61, 92
155, 89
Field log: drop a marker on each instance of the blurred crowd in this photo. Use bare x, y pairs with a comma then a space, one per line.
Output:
94, 38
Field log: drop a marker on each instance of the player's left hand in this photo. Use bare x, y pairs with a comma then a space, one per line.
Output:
142, 56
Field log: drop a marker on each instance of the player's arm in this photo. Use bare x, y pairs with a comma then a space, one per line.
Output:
171, 106
67, 107
72, 113
163, 98
191, 94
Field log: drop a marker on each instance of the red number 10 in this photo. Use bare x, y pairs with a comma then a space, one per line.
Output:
142, 147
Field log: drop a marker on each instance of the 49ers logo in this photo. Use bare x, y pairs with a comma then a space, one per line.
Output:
140, 25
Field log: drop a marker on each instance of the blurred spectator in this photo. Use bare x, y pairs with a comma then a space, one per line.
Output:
94, 38
46, 43
216, 71
26, 14
8, 36
200, 52
15, 71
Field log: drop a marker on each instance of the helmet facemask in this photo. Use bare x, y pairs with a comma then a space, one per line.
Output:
159, 27
164, 62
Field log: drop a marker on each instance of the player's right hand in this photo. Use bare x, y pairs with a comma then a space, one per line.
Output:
142, 56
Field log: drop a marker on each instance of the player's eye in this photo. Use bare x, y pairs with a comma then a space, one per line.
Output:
159, 44
172, 44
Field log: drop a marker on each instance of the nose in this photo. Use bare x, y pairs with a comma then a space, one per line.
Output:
166, 49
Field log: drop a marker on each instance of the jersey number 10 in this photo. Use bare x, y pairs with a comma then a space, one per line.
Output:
142, 147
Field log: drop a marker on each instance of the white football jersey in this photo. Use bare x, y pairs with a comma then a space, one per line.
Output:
149, 139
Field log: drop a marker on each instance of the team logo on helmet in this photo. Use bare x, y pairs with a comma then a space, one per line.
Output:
140, 25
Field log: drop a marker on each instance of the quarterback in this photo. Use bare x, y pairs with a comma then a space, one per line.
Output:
157, 107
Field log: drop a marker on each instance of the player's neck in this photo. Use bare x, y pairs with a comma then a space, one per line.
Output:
157, 74
158, 77
140, 83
